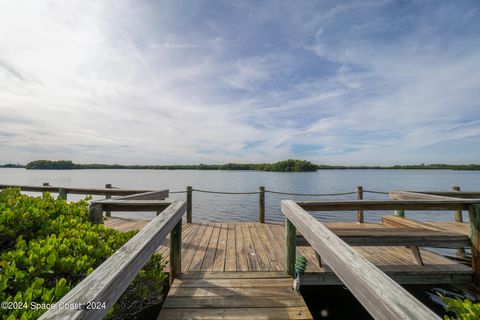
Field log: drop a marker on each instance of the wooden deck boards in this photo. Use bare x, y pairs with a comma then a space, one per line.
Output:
234, 295
235, 270
254, 247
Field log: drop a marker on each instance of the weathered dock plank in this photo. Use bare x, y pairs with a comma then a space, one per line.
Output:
234, 295
397, 261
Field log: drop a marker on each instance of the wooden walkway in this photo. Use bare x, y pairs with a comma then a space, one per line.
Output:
248, 246
235, 270
234, 295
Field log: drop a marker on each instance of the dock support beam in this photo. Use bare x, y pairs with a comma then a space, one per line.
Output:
261, 204
62, 194
189, 204
360, 218
458, 213
108, 213
290, 247
45, 184
176, 251
95, 213
474, 215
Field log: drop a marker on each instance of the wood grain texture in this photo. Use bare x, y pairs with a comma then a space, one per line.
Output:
234, 295
75, 190
111, 278
380, 295
132, 205
345, 205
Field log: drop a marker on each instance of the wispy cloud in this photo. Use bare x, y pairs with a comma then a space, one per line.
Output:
180, 82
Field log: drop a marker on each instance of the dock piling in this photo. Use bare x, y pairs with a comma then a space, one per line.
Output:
95, 213
360, 218
176, 251
290, 246
261, 204
62, 193
189, 204
108, 213
458, 213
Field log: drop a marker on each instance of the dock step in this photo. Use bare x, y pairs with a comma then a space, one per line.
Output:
234, 295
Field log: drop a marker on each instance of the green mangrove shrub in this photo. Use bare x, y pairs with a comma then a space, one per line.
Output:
47, 246
464, 309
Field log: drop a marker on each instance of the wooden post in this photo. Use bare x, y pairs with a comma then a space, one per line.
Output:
45, 184
261, 204
189, 204
474, 215
399, 213
360, 197
62, 194
108, 213
176, 251
458, 213
96, 213
290, 247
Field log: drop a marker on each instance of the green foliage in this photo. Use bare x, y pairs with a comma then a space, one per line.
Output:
47, 246
463, 309
280, 166
47, 164
12, 165
144, 291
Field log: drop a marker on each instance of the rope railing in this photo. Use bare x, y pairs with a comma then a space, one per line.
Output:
311, 194
377, 192
261, 198
224, 192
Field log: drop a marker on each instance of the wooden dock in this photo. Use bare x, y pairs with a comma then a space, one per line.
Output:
233, 270
260, 247
244, 270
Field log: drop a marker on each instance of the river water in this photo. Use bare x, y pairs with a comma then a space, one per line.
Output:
219, 207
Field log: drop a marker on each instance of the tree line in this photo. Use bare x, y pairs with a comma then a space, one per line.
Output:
290, 165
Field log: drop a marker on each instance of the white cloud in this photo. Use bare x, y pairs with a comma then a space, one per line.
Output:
126, 82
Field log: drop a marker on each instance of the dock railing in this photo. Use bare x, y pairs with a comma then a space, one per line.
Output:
382, 297
107, 282
406, 200
359, 194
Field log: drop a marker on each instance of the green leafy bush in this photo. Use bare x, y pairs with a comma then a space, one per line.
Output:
47, 246
463, 309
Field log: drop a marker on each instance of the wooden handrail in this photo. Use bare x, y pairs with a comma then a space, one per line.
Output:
75, 190
382, 297
149, 195
107, 282
132, 205
453, 194
412, 195
344, 205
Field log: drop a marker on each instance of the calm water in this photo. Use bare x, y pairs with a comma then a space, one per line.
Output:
215, 207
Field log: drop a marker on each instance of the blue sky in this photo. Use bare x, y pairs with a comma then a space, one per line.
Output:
155, 82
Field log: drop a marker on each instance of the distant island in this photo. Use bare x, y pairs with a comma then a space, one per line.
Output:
12, 165
291, 165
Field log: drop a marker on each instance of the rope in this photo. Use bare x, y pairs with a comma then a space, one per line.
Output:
219, 192
285, 193
378, 192
311, 194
